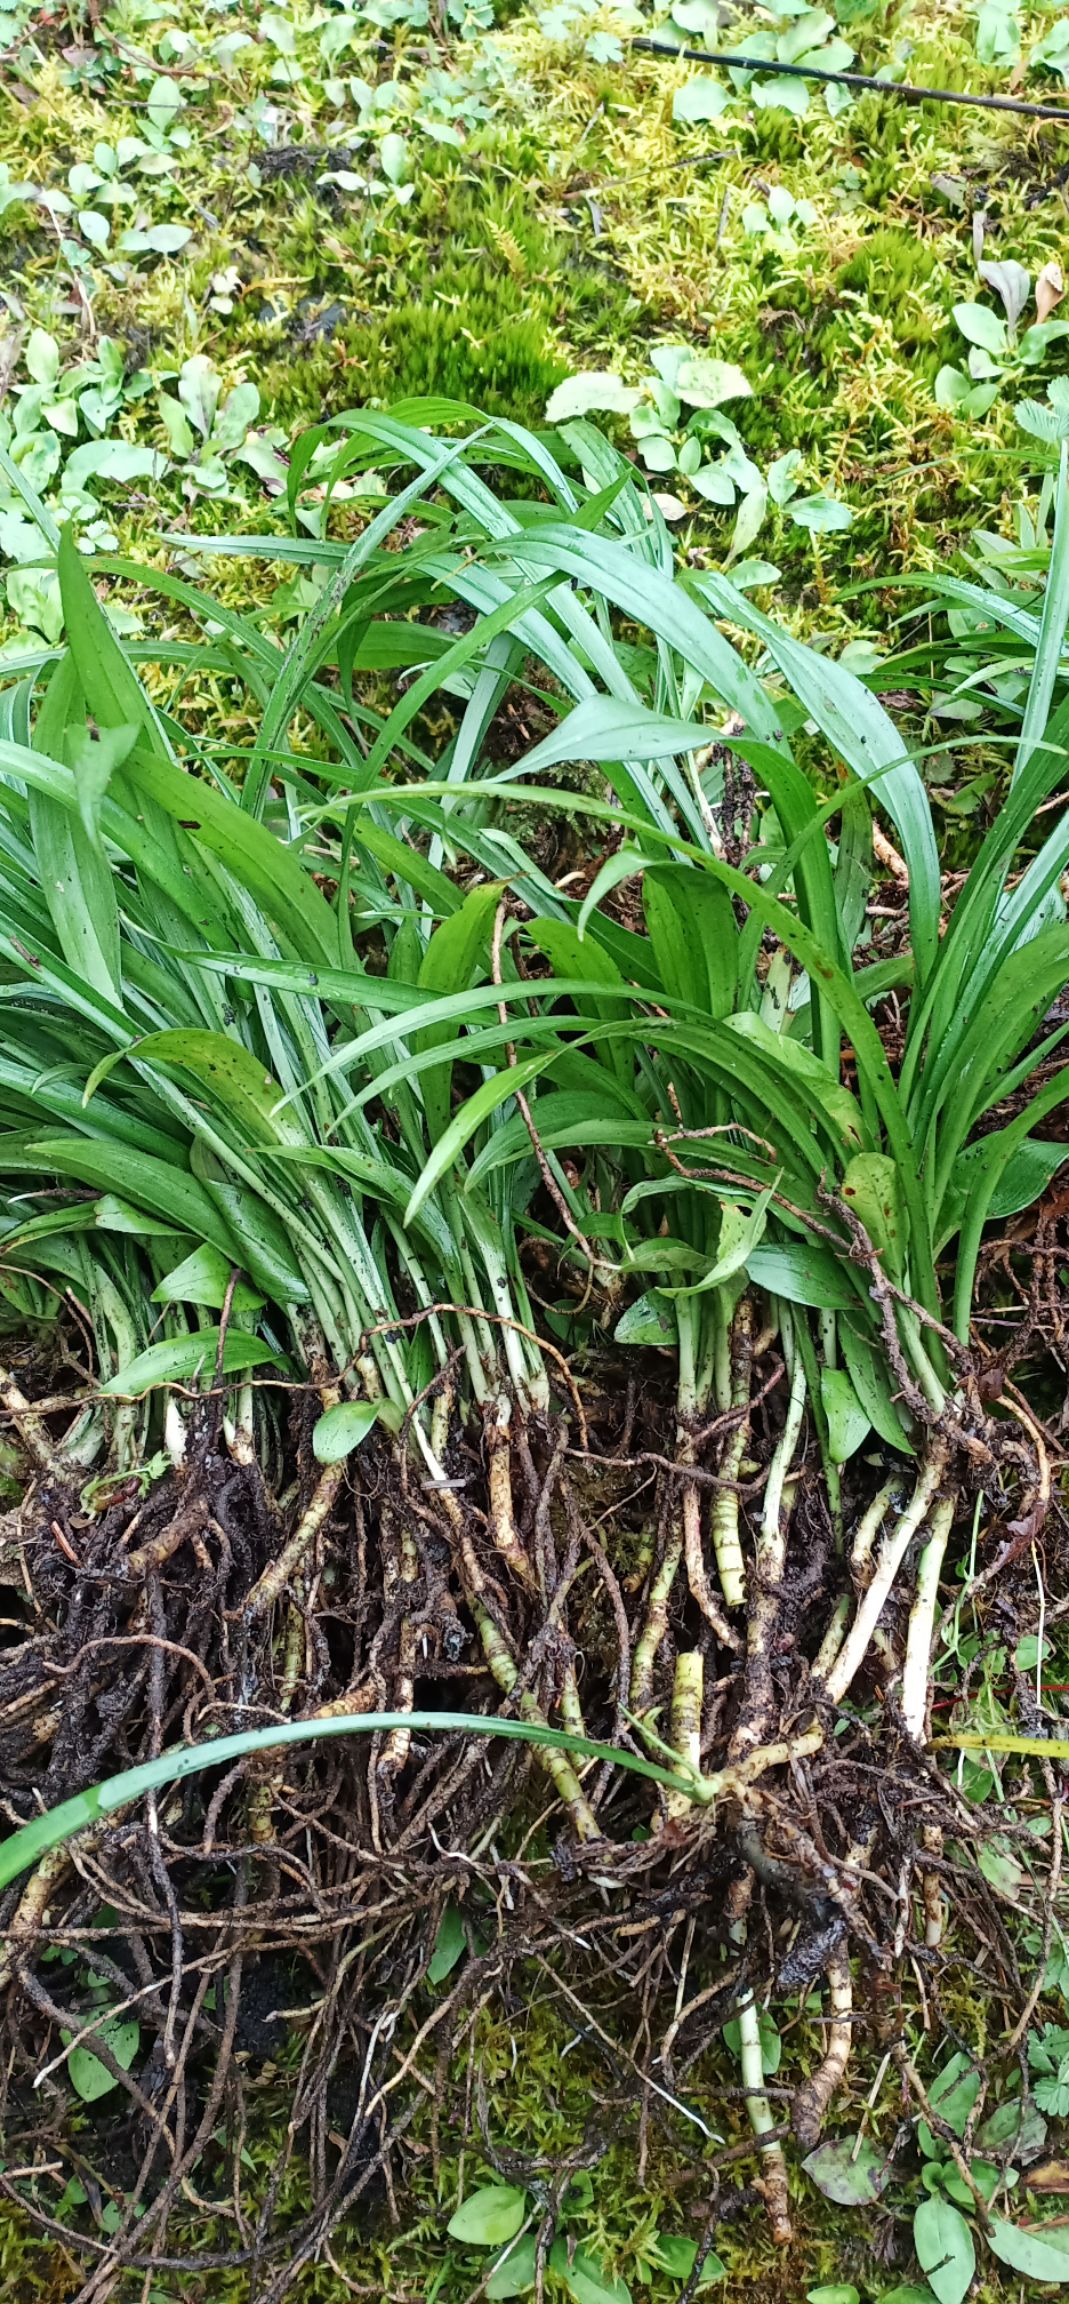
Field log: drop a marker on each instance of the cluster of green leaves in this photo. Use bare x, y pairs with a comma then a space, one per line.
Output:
218, 1116
96, 2018
116, 207
258, 1067
975, 664
945, 2230
568, 23
328, 58
705, 451
1048, 2055
258, 1021
778, 32
64, 443
128, 227
355, 282
386, 119
51, 410
501, 2216
1000, 44
997, 353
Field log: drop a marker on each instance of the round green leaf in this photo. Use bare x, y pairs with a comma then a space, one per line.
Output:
822, 515
488, 2217
657, 453
88, 2076
650, 1319
714, 483
851, 2174
592, 391
117, 461
701, 98
982, 326
952, 2094
516, 2274
706, 383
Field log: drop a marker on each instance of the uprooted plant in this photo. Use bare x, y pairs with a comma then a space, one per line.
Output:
596, 1229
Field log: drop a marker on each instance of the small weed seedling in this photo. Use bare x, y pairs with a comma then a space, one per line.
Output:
677, 420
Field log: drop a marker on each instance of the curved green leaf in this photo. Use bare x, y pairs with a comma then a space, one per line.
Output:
342, 1429
176, 1359
24, 1848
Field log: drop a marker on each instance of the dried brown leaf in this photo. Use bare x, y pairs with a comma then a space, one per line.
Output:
1050, 2176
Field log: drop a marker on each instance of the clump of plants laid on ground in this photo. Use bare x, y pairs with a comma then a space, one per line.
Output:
499, 1142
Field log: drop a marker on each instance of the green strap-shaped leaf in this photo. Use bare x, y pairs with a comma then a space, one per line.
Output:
26, 1846
1046, 663
170, 1192
867, 740
76, 878
456, 949
115, 699
695, 937
464, 1123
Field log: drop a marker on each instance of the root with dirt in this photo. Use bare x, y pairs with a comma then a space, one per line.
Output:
211, 1606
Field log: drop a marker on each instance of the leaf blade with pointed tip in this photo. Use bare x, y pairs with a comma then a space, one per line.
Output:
179, 1359
341, 1429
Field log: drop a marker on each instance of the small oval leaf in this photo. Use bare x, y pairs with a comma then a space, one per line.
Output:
851, 2174
204, 1278
488, 2217
517, 2273
945, 2249
449, 1946
677, 2256
342, 1429
585, 2277
1041, 2254
650, 1319
849, 1424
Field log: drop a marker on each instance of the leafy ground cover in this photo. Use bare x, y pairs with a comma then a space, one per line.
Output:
318, 208
223, 228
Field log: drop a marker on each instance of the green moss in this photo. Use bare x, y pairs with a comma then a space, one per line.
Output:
888, 266
775, 135
554, 2095
573, 227
485, 314
470, 350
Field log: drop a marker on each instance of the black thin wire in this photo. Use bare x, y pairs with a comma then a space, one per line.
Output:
903, 88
